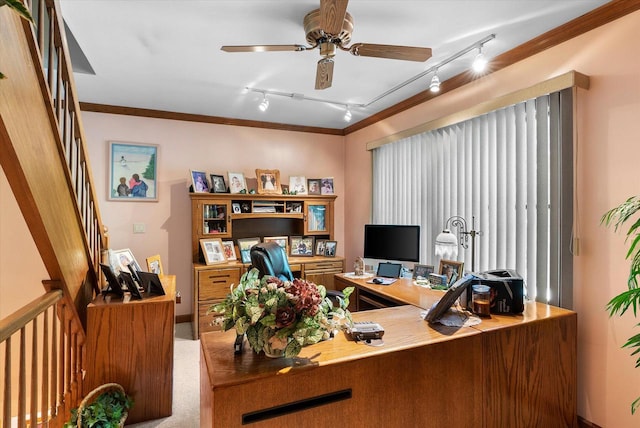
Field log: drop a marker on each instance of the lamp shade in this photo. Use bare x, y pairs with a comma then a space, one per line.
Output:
446, 245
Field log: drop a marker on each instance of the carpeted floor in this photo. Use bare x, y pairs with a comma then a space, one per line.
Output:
186, 383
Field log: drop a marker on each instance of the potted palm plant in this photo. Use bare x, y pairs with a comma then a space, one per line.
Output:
629, 298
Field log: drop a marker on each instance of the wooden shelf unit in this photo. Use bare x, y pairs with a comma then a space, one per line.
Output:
213, 216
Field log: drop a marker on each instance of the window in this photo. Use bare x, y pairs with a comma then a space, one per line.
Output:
511, 170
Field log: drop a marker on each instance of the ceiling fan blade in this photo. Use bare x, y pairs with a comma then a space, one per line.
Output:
324, 73
406, 53
332, 13
263, 48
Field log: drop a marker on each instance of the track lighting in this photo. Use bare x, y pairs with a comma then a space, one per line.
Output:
480, 62
264, 105
435, 83
347, 115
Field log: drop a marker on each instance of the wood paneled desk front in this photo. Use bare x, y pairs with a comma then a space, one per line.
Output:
130, 342
510, 371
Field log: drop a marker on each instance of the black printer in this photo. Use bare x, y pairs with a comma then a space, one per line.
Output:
507, 290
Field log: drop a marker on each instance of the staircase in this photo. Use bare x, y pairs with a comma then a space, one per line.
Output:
44, 156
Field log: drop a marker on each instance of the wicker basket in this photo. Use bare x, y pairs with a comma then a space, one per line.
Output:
93, 395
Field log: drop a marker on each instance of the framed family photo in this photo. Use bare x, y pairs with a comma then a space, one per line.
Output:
302, 246
422, 271
283, 241
268, 181
298, 184
313, 186
237, 183
452, 270
121, 259
217, 184
199, 182
154, 264
326, 186
212, 250
229, 250
133, 174
330, 248
320, 243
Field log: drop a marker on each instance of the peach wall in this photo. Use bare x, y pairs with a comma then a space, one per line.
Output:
608, 128
203, 147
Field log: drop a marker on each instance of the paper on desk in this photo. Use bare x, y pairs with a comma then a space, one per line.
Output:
455, 318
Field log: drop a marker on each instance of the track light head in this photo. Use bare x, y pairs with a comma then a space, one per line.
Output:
435, 83
264, 105
480, 63
347, 115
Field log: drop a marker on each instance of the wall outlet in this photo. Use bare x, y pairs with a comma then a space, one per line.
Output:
139, 228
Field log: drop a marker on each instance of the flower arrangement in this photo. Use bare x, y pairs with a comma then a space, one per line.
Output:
280, 317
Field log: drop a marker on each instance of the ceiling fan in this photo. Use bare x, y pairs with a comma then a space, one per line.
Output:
329, 28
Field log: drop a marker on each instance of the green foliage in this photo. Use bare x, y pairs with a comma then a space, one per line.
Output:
105, 412
280, 315
630, 298
150, 172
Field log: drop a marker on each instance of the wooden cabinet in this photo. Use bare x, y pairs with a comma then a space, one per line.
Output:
130, 342
211, 285
236, 216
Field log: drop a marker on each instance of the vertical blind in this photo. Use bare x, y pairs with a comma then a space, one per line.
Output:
499, 169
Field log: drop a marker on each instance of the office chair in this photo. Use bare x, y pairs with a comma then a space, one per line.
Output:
270, 259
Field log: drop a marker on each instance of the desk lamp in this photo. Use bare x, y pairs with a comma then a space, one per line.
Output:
447, 242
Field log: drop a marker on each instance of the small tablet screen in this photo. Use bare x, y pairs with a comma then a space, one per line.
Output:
389, 270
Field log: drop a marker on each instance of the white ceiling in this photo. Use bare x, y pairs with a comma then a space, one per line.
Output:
165, 55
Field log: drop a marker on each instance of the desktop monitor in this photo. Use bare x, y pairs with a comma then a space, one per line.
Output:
392, 242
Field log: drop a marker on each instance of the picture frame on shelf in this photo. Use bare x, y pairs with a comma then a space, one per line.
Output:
326, 186
217, 184
313, 186
237, 182
298, 184
422, 271
330, 248
235, 208
451, 269
245, 207
320, 243
212, 250
133, 172
229, 250
199, 181
244, 246
295, 207
121, 259
268, 181
154, 264
301, 246
283, 241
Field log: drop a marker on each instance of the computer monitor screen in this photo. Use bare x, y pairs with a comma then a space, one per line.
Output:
392, 242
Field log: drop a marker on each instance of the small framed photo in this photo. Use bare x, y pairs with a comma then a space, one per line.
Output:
133, 172
283, 241
245, 207
320, 245
452, 270
154, 264
330, 248
298, 184
199, 181
244, 246
302, 246
326, 187
295, 207
313, 186
121, 259
237, 183
217, 184
235, 208
229, 250
212, 250
268, 181
422, 271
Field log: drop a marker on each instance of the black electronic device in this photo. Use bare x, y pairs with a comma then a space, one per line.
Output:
507, 290
453, 293
392, 242
389, 270
113, 284
151, 283
131, 285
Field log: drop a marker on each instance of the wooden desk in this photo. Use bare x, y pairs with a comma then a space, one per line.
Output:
130, 342
530, 359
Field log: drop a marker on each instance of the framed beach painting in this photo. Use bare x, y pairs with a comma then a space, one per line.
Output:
133, 172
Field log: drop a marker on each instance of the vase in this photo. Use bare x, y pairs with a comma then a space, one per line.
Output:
273, 353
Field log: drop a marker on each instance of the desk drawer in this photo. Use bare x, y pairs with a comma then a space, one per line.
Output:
324, 266
215, 283
205, 321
